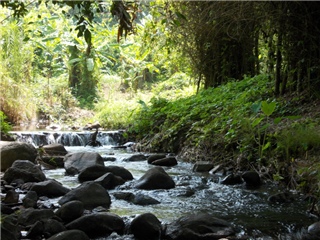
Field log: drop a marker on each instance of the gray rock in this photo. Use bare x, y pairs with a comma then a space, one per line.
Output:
52, 227
146, 227
314, 229
109, 181
70, 234
202, 166
36, 230
138, 199
251, 178
198, 227
30, 200
231, 180
11, 197
283, 197
25, 170
98, 224
155, 178
56, 161
12, 151
6, 137
168, 162
155, 157
91, 194
136, 158
76, 162
94, 172
55, 149
50, 188
109, 159
29, 216
70, 211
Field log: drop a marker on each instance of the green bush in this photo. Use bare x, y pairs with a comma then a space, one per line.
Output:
5, 127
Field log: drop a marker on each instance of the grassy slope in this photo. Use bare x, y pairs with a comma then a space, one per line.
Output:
217, 125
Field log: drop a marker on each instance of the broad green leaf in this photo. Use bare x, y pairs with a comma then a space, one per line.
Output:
256, 107
176, 22
256, 121
87, 36
48, 39
266, 146
277, 120
293, 117
90, 64
268, 109
142, 103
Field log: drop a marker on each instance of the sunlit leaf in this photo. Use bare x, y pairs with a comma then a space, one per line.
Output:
90, 64
268, 108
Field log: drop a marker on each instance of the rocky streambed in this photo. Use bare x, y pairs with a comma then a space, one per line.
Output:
111, 193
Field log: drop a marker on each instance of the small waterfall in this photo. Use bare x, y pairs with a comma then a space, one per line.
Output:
113, 138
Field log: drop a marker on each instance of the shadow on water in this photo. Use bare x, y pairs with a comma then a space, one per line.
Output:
248, 210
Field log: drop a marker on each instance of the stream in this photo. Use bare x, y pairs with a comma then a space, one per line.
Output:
248, 210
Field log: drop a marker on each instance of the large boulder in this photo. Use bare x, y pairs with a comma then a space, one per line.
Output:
70, 234
94, 172
314, 229
98, 224
30, 200
70, 211
155, 178
231, 180
76, 162
30, 216
52, 227
55, 149
56, 161
12, 151
146, 227
91, 194
11, 197
198, 226
50, 188
24, 170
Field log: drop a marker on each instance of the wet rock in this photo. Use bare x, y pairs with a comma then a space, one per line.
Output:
185, 193
6, 210
17, 183
36, 230
109, 181
70, 234
217, 169
231, 180
168, 162
11, 197
202, 166
56, 161
155, 157
25, 170
138, 199
251, 178
155, 178
29, 216
146, 227
91, 194
70, 211
283, 197
50, 188
136, 158
76, 162
6, 137
109, 159
198, 226
55, 127
129, 144
52, 227
98, 224
12, 151
30, 200
55, 149
94, 172
314, 229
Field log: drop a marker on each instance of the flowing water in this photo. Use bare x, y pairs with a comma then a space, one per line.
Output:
248, 210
